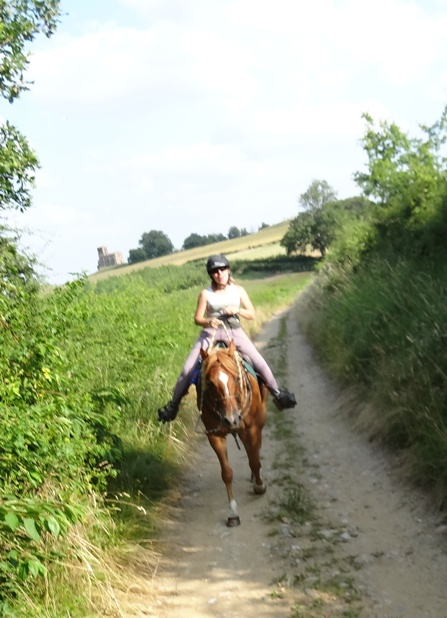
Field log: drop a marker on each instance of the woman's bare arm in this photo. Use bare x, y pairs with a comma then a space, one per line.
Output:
247, 311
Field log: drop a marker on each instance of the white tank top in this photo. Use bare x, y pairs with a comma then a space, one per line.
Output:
216, 303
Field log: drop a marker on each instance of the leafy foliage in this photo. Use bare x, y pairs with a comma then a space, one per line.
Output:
18, 164
44, 422
24, 523
317, 195
194, 240
137, 255
408, 178
20, 22
153, 244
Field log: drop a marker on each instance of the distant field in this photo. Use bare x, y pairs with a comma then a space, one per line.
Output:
264, 243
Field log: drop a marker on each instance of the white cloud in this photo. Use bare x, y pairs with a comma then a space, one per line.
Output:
203, 157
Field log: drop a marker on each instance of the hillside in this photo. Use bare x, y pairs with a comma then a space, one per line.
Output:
264, 243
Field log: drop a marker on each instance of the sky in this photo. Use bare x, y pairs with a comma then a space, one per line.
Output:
193, 116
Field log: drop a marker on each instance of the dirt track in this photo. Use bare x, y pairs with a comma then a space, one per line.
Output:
364, 543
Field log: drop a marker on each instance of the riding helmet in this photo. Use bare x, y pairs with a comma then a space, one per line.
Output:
216, 261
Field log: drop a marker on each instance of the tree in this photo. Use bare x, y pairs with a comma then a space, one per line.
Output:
155, 244
137, 255
235, 232
196, 240
315, 226
193, 240
298, 237
319, 224
215, 238
317, 195
20, 22
315, 229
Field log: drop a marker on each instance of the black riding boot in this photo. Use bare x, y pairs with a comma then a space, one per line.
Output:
283, 399
167, 413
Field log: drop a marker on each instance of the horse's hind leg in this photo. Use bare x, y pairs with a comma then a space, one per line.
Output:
252, 444
219, 446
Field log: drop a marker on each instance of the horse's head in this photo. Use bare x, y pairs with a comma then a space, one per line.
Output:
222, 383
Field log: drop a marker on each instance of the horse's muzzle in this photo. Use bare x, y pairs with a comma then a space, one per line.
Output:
233, 420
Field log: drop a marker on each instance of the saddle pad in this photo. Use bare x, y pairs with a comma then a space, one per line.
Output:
249, 368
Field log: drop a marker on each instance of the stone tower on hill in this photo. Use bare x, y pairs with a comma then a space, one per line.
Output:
107, 259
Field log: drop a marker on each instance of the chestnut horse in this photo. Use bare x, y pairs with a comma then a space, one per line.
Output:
231, 401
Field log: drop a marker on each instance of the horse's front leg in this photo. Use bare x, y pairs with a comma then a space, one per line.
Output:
252, 443
219, 445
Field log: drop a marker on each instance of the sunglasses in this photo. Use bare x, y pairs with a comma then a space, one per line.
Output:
219, 270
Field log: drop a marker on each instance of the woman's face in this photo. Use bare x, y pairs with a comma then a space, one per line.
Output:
220, 276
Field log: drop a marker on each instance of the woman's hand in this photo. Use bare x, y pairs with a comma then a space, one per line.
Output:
231, 310
214, 322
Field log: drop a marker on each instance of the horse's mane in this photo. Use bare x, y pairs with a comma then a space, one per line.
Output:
221, 356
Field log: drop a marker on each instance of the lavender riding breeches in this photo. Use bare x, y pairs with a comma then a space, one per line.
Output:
243, 344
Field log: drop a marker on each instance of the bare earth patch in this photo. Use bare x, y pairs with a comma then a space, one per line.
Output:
338, 534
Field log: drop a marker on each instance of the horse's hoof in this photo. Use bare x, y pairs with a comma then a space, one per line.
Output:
232, 522
260, 489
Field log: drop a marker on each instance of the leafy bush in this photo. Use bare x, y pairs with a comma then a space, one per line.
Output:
45, 421
408, 179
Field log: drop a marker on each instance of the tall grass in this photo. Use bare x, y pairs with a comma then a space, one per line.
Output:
384, 327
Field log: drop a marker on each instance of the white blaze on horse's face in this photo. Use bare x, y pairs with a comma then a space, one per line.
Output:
232, 417
223, 377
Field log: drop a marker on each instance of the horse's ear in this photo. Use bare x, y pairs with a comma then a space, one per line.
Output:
203, 354
232, 348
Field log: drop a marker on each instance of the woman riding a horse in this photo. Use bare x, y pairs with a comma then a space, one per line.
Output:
219, 307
